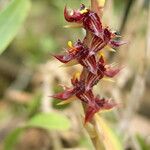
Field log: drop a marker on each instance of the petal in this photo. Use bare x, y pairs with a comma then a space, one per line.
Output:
92, 23
91, 79
107, 35
89, 63
64, 95
65, 58
96, 44
89, 114
74, 16
86, 97
116, 43
92, 65
97, 105
104, 104
111, 72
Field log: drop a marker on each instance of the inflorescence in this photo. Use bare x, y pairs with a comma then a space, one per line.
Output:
88, 53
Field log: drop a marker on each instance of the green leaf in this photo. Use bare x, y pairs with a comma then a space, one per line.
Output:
12, 139
107, 135
11, 19
142, 143
49, 121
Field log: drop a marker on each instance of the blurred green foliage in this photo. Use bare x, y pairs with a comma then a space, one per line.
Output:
42, 34
143, 144
11, 19
49, 121
12, 138
45, 121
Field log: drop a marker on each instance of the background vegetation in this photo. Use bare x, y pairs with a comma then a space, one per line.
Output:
30, 120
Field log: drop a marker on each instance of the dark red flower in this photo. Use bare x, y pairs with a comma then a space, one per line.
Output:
89, 19
94, 104
79, 52
73, 52
77, 90
97, 105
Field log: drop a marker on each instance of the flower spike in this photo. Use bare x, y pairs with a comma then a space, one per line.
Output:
89, 54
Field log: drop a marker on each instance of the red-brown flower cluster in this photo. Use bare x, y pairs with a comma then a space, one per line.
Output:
88, 55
